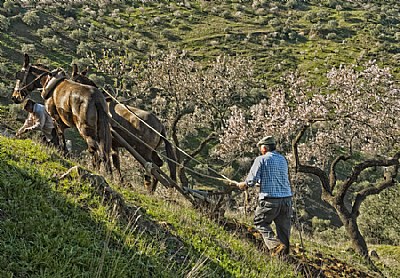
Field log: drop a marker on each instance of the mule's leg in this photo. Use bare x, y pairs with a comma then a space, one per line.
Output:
60, 128
148, 184
58, 124
93, 147
117, 163
157, 161
95, 157
154, 182
96, 161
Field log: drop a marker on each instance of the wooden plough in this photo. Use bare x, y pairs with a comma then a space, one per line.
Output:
196, 197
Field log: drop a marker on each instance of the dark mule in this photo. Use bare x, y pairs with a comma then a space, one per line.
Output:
143, 125
70, 104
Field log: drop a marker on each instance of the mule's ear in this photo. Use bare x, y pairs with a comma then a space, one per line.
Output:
26, 60
74, 70
85, 71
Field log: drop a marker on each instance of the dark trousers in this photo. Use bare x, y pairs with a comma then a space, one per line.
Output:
54, 139
279, 211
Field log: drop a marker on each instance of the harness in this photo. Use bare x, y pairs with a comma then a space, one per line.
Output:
17, 88
51, 85
27, 70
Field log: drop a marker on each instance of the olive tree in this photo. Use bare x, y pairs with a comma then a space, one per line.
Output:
31, 18
4, 23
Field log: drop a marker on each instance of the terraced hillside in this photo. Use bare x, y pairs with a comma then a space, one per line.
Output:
56, 227
308, 36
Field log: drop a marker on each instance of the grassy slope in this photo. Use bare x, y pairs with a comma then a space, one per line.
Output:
63, 229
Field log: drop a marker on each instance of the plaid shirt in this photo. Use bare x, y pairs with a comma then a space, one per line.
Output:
271, 172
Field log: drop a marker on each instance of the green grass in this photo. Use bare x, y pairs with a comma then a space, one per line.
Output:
389, 259
52, 228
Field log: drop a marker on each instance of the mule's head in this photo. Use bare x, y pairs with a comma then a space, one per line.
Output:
27, 80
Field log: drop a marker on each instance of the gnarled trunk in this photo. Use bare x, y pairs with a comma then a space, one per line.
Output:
350, 223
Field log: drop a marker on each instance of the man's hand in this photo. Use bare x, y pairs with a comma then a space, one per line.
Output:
242, 185
19, 133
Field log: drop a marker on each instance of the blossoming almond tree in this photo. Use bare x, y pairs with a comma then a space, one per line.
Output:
193, 99
352, 123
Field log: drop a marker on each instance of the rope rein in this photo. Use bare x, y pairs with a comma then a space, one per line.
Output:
224, 178
33, 81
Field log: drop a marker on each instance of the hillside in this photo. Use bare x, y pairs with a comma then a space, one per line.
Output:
308, 36
81, 224
75, 226
66, 228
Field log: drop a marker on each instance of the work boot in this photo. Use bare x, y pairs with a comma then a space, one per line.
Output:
270, 241
279, 251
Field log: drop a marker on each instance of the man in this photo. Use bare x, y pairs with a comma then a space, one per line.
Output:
38, 118
270, 170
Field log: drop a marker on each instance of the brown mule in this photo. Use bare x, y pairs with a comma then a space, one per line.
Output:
140, 129
70, 104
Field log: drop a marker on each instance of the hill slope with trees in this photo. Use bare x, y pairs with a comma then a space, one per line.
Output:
214, 71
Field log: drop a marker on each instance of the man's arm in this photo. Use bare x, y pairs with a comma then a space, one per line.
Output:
36, 125
29, 122
254, 175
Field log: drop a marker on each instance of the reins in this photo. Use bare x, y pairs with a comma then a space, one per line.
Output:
223, 179
32, 82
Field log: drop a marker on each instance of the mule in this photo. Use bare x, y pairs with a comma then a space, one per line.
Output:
141, 129
70, 104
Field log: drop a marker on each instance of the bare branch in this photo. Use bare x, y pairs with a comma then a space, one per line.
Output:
295, 144
332, 171
175, 131
389, 181
372, 190
323, 177
210, 137
357, 169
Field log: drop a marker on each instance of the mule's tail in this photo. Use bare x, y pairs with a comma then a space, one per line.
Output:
104, 133
170, 155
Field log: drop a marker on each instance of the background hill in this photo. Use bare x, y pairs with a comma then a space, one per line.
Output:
308, 36
114, 38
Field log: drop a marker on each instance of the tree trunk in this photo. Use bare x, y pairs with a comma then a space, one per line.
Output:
357, 240
349, 221
181, 170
